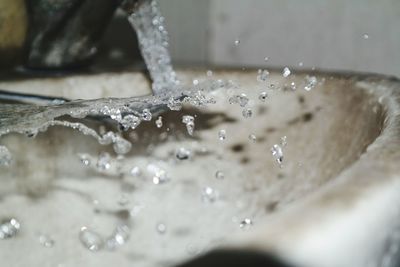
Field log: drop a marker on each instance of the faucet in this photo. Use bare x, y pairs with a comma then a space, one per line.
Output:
65, 34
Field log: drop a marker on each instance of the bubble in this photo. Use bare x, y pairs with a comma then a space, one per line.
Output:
237, 42
266, 58
90, 239
209, 73
365, 36
195, 82
9, 228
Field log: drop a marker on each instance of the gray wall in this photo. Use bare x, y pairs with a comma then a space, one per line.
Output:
322, 33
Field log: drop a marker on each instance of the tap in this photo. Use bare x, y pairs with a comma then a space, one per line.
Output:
56, 34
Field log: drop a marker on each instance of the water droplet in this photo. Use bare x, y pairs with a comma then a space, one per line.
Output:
209, 73
189, 121
246, 224
277, 153
266, 58
46, 241
159, 175
283, 141
136, 210
130, 121
222, 135
107, 138
135, 171
121, 146
119, 237
85, 159
253, 137
311, 82
209, 195
146, 115
161, 228
262, 75
293, 86
241, 99
183, 153
263, 96
103, 162
159, 122
219, 175
366, 36
90, 239
301, 64
247, 113
5, 156
237, 42
286, 72
195, 82
174, 104
114, 113
123, 200
9, 228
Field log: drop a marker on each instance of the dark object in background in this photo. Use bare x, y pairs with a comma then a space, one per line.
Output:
13, 25
65, 33
234, 258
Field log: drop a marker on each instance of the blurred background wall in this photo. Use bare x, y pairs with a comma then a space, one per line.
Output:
360, 35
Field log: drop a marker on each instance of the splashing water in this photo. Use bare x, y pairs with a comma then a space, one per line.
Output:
154, 45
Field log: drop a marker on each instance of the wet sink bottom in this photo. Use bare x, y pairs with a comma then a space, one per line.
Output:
177, 208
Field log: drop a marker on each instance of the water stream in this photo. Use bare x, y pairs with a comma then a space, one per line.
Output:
128, 112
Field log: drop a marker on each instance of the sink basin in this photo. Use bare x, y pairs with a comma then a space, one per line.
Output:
333, 202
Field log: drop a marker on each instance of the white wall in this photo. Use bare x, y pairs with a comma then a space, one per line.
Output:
322, 33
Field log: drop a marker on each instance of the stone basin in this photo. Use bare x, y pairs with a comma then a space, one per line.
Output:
334, 202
